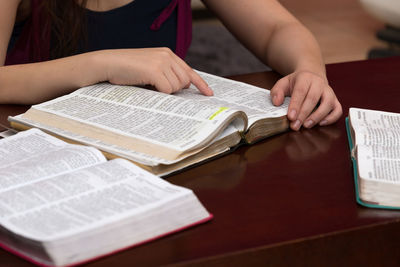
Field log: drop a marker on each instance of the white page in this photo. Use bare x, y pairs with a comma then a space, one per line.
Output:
124, 111
107, 147
135, 156
379, 163
108, 192
47, 164
254, 101
374, 119
373, 127
377, 136
33, 156
26, 144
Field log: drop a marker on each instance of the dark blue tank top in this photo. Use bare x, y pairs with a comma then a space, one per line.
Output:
124, 27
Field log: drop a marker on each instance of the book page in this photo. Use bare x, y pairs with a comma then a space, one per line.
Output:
374, 119
34, 156
26, 144
379, 163
46, 164
141, 158
377, 136
114, 149
254, 101
75, 202
373, 127
142, 114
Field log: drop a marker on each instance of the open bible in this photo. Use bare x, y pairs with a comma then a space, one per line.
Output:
374, 138
159, 132
64, 204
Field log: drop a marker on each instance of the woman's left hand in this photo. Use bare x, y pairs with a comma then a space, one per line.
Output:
312, 99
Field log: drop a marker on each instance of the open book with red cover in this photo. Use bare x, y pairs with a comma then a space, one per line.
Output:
64, 204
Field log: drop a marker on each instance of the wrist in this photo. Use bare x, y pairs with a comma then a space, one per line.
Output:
317, 68
320, 74
98, 65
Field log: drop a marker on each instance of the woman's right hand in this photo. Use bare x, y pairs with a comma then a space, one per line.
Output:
158, 67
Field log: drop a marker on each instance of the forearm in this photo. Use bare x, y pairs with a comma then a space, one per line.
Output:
279, 40
37, 82
271, 33
291, 48
160, 67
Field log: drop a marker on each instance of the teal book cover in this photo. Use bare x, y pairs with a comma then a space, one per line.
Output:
355, 173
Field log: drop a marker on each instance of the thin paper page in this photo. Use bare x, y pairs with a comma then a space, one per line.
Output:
47, 164
379, 163
374, 119
111, 148
373, 127
377, 136
98, 195
26, 144
254, 101
123, 110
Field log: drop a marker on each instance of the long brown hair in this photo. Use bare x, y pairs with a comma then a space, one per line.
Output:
68, 23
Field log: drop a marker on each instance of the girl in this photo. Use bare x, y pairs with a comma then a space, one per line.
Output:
51, 47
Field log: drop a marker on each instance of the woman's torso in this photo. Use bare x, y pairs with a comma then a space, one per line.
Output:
127, 26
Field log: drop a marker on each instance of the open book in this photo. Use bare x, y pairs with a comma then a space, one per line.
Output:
374, 138
159, 132
64, 204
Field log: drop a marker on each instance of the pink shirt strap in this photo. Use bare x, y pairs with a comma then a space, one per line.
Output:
184, 28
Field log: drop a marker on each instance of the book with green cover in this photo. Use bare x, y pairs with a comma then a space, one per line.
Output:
374, 141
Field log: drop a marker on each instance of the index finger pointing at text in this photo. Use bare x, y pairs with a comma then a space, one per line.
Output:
200, 84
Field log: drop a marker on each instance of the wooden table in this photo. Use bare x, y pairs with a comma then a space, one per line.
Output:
288, 200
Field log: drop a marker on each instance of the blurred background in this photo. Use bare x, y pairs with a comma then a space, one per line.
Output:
346, 30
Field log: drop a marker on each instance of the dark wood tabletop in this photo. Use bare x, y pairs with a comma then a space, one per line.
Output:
286, 201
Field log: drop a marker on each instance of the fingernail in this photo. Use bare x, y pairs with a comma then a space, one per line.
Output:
308, 123
292, 114
296, 125
210, 90
324, 122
